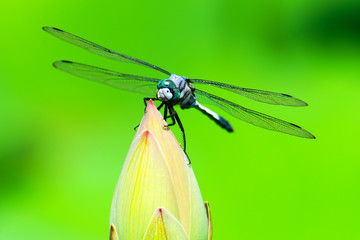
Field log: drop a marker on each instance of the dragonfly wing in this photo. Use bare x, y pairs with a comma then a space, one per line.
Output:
97, 49
257, 95
253, 117
123, 81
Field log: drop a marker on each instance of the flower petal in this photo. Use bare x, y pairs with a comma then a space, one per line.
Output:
210, 230
164, 226
192, 212
199, 221
156, 173
144, 185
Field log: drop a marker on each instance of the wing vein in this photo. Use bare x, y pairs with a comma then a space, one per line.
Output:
256, 94
97, 49
253, 117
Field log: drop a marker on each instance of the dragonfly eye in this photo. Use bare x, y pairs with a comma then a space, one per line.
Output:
168, 93
166, 83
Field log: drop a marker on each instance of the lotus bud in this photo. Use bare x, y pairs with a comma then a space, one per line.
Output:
157, 196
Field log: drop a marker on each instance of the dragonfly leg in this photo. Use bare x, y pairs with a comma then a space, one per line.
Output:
165, 112
173, 121
161, 105
172, 115
176, 116
181, 128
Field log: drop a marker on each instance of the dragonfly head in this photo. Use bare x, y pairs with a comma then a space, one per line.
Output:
167, 90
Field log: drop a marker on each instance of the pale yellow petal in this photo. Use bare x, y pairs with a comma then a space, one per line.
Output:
199, 224
144, 185
210, 230
156, 173
175, 159
164, 226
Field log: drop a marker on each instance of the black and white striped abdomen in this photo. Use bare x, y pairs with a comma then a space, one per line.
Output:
214, 116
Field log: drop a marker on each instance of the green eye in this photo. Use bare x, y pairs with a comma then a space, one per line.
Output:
166, 83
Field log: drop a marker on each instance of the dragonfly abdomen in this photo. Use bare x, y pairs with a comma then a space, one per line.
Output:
214, 116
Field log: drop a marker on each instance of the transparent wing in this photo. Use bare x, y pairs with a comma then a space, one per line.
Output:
97, 49
251, 116
123, 81
257, 95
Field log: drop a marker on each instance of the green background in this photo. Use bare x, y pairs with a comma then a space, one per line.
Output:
63, 139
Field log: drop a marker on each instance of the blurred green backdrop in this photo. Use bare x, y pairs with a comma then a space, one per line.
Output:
63, 139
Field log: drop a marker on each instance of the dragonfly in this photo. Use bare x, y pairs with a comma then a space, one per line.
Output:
179, 90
